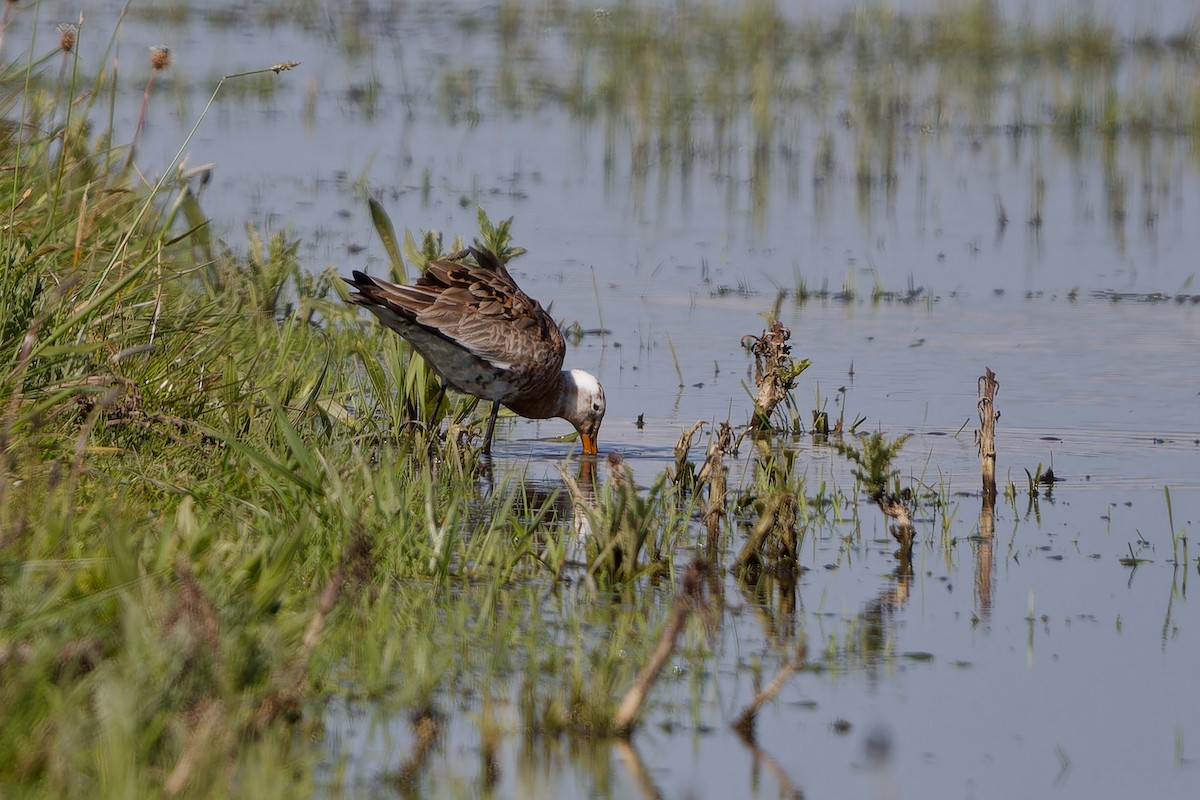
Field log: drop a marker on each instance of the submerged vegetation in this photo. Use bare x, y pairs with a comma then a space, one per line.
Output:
740, 92
229, 504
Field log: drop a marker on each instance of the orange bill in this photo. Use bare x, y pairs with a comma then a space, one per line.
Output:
589, 444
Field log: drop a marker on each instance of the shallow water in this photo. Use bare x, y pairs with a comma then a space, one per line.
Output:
1057, 669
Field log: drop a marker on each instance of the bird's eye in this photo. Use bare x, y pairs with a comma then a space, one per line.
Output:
595, 406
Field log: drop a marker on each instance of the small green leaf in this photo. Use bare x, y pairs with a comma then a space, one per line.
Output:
387, 235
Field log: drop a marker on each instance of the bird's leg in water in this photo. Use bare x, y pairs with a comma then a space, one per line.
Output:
435, 417
491, 426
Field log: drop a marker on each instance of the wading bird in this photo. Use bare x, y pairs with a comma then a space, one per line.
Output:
485, 337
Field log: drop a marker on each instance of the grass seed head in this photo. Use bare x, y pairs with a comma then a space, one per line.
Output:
67, 35
160, 57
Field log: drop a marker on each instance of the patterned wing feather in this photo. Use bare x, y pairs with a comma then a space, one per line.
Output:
478, 307
482, 309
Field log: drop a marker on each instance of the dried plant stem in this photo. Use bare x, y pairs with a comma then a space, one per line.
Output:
141, 120
675, 358
985, 438
684, 475
715, 474
686, 601
599, 311
158, 295
744, 724
775, 371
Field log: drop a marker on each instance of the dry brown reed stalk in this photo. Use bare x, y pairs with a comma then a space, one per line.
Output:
675, 358
160, 59
780, 517
775, 371
684, 474
985, 438
744, 724
688, 599
715, 474
68, 35
579, 495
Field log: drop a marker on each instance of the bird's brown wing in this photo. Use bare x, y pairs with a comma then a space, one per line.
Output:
477, 307
484, 311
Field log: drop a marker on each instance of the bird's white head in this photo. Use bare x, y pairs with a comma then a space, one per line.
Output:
583, 406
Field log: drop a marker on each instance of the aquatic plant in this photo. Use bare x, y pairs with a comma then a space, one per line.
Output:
873, 468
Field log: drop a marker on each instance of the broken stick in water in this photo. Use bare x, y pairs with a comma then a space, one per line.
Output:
985, 437
744, 724
715, 474
688, 599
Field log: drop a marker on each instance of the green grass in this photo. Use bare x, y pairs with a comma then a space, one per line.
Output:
214, 499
